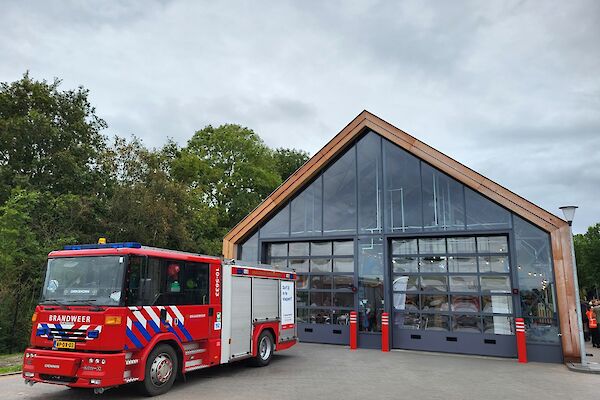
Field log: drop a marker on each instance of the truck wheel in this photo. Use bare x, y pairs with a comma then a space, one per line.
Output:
161, 370
265, 349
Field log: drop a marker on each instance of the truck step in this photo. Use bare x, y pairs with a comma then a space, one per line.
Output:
189, 369
194, 351
132, 361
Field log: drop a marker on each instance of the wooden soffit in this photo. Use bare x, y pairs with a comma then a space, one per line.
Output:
365, 120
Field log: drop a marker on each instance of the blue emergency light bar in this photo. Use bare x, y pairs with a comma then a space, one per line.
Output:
123, 245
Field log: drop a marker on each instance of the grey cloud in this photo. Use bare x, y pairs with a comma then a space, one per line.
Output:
510, 88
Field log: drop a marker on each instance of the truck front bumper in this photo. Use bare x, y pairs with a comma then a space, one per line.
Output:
75, 369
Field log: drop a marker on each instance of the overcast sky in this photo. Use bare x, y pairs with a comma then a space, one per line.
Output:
511, 89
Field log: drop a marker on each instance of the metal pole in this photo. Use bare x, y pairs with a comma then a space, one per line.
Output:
578, 308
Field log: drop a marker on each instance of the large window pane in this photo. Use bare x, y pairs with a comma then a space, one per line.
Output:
435, 322
465, 303
298, 249
402, 197
461, 245
432, 246
320, 249
302, 282
408, 321
434, 283
404, 246
462, 264
299, 265
343, 265
280, 263
492, 244
341, 317
433, 264
466, 323
343, 248
320, 282
497, 304
405, 264
277, 250
493, 264
434, 302
406, 283
277, 226
343, 299
498, 325
464, 284
496, 284
483, 213
320, 299
343, 281
319, 316
306, 213
250, 249
536, 282
443, 201
302, 298
339, 195
370, 283
320, 265
370, 183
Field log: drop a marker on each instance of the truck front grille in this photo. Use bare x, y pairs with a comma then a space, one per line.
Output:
58, 378
77, 335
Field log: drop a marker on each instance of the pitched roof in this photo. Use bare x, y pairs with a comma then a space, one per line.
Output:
365, 120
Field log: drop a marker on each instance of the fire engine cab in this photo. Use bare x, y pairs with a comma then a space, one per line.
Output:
115, 313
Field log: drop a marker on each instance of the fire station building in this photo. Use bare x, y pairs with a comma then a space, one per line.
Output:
378, 221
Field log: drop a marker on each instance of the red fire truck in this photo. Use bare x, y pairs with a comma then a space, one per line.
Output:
117, 313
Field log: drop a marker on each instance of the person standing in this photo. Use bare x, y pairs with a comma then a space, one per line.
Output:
593, 322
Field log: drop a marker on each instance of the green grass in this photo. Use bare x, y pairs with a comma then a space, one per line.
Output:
10, 363
12, 368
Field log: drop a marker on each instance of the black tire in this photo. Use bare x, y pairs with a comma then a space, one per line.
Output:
161, 370
265, 349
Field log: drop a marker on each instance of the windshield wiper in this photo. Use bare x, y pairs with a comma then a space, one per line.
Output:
54, 302
86, 302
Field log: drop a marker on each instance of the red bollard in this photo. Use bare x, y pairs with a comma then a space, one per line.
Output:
385, 335
521, 345
353, 331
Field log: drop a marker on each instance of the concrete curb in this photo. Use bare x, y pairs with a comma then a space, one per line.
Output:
594, 369
11, 373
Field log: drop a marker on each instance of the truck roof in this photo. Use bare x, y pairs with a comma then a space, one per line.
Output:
130, 248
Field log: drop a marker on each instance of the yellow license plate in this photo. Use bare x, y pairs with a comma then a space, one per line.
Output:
64, 344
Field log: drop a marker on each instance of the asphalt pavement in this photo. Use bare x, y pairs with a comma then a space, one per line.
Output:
315, 371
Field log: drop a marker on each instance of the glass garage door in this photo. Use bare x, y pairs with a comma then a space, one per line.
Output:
324, 286
453, 294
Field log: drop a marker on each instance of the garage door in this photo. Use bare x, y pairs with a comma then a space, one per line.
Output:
453, 294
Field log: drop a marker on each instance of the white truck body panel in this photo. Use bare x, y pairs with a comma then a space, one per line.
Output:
265, 299
241, 325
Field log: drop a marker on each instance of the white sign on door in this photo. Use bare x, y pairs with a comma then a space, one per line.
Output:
288, 308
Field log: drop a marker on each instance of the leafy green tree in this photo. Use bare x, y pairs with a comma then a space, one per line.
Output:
287, 161
21, 264
49, 139
587, 252
230, 167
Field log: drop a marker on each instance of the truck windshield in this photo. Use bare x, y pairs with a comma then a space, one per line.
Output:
84, 280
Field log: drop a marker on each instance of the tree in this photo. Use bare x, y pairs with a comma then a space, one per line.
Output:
587, 253
230, 167
287, 161
49, 139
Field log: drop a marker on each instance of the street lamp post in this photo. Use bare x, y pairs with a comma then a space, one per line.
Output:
569, 213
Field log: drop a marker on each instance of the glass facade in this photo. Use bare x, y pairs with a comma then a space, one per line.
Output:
381, 230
